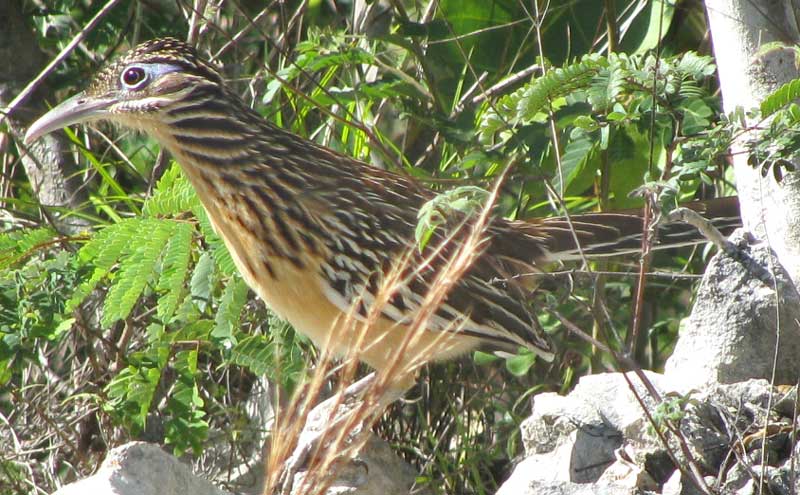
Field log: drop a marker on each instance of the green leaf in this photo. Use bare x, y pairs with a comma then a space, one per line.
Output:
695, 66
607, 85
132, 392
464, 199
19, 244
576, 155
172, 195
520, 364
532, 101
472, 159
313, 58
101, 168
780, 98
537, 96
485, 29
484, 358
254, 352
647, 25
136, 270
175, 267
218, 248
628, 154
102, 252
586, 122
198, 330
231, 303
201, 283
696, 114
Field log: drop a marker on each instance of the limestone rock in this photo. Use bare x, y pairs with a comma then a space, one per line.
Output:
737, 323
598, 439
140, 468
574, 438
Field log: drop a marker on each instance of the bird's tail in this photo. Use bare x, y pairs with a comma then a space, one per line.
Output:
614, 233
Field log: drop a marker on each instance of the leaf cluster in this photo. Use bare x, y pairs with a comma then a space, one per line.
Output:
621, 119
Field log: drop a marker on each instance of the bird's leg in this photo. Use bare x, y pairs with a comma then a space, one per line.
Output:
325, 420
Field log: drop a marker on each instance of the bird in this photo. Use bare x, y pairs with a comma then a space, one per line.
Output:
315, 232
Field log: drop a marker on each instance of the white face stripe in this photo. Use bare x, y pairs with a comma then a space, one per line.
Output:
125, 106
152, 72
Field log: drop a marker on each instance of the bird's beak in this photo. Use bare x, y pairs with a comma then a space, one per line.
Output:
79, 108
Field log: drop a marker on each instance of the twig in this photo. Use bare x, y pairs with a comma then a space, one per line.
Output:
705, 227
644, 265
508, 81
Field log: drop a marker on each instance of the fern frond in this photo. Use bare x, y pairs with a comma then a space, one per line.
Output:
254, 352
175, 267
19, 244
172, 195
136, 270
103, 251
555, 84
690, 89
218, 248
199, 330
695, 66
201, 282
780, 98
607, 85
522, 106
230, 307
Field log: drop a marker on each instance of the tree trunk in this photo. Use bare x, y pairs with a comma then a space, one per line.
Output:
739, 28
48, 162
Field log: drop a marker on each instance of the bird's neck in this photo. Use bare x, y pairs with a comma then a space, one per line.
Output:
215, 133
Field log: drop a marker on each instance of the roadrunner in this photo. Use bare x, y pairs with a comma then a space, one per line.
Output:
314, 232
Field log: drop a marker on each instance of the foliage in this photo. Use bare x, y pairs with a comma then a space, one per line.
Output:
670, 412
464, 199
156, 336
610, 113
776, 143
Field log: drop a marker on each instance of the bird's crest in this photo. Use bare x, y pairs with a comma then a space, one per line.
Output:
157, 51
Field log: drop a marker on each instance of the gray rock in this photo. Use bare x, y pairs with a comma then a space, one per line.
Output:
737, 478
778, 482
139, 468
674, 485
376, 470
716, 390
519, 486
597, 439
575, 438
731, 334
678, 485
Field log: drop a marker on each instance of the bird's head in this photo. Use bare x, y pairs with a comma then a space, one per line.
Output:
136, 89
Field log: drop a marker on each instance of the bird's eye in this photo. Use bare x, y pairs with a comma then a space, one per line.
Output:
134, 77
